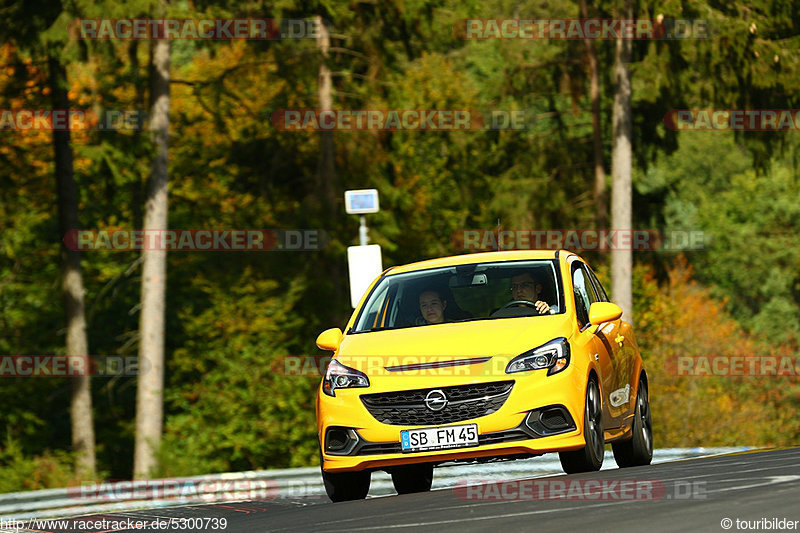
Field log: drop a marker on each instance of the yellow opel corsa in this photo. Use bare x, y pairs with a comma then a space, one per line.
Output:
480, 357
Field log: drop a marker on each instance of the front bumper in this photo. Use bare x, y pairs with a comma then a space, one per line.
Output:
514, 428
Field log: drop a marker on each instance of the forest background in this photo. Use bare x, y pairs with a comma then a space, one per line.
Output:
231, 315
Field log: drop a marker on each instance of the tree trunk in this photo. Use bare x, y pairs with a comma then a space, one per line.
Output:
621, 163
600, 200
137, 191
326, 171
326, 188
72, 282
150, 386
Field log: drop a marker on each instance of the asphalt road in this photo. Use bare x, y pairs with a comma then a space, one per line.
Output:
688, 495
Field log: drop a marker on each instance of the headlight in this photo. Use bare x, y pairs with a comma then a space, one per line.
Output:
339, 376
554, 356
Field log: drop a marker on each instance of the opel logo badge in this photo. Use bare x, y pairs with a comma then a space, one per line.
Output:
436, 400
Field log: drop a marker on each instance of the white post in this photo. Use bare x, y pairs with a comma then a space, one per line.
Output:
362, 232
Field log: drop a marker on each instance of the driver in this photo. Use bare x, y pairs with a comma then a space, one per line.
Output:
524, 287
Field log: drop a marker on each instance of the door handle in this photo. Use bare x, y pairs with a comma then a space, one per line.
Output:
619, 339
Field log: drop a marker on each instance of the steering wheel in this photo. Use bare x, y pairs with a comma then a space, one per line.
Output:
518, 302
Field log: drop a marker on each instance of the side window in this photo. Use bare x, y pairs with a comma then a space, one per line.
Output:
591, 290
582, 301
399, 295
601, 292
374, 316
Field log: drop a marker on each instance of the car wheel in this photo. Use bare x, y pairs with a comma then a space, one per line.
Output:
590, 457
412, 478
345, 486
638, 450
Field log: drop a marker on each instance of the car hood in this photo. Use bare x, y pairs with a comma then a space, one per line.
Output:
449, 344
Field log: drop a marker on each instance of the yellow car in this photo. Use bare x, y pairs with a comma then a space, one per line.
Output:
480, 357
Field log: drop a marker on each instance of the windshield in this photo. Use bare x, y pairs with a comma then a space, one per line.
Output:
479, 291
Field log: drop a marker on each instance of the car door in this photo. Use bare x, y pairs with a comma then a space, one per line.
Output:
617, 337
600, 351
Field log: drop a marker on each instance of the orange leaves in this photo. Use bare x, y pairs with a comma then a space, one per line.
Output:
681, 318
688, 318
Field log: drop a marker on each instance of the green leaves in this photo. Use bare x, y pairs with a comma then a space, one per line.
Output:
751, 223
231, 315
229, 406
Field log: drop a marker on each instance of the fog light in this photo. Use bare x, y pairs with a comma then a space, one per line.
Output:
549, 420
337, 439
554, 419
340, 440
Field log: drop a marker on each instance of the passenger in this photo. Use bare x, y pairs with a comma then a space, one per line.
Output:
432, 305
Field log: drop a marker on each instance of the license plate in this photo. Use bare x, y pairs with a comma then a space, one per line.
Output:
420, 440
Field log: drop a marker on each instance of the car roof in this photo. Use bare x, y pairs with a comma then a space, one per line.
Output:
482, 257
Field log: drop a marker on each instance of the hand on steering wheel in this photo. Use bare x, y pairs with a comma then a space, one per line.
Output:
539, 305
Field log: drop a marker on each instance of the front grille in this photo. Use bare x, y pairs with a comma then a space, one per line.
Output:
508, 435
464, 402
376, 448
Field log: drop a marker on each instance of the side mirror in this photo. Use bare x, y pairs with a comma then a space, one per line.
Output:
600, 312
330, 339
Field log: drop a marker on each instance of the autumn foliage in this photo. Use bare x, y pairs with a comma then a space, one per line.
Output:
231, 315
679, 317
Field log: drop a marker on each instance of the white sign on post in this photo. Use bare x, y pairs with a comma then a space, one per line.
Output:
361, 201
364, 264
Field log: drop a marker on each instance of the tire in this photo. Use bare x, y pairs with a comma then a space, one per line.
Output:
412, 478
638, 450
346, 486
590, 457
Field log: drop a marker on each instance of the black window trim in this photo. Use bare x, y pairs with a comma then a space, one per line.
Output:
575, 266
599, 290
